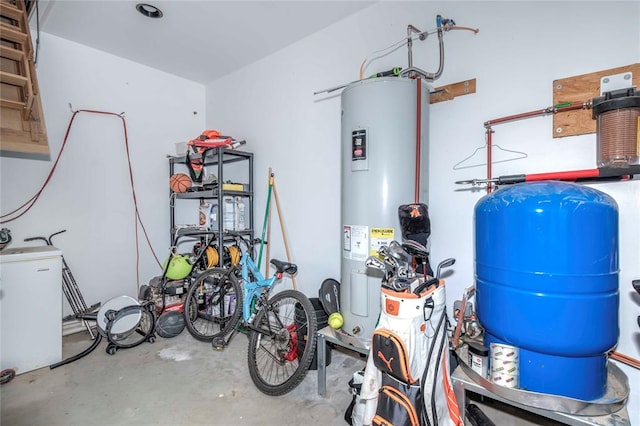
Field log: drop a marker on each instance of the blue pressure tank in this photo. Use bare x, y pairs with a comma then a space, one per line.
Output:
546, 260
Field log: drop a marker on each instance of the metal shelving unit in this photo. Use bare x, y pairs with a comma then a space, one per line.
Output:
219, 159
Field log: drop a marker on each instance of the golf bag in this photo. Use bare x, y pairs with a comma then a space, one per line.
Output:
406, 378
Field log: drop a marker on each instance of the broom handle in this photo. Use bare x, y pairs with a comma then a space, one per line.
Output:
284, 235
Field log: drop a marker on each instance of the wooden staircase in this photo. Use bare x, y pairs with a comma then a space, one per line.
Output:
22, 127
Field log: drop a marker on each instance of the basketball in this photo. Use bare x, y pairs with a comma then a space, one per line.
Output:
180, 182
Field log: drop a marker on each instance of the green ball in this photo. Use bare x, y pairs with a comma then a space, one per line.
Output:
179, 267
336, 320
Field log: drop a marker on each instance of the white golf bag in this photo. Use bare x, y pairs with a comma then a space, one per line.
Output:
406, 378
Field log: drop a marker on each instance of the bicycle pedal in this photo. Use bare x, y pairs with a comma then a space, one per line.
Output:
218, 344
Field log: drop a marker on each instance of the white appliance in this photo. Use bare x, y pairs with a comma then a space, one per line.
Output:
30, 307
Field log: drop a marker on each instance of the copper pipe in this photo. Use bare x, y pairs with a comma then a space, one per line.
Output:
516, 117
489, 173
468, 293
573, 106
458, 27
549, 110
418, 136
626, 359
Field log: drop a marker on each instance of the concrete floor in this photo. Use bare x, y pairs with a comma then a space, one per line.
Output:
177, 381
181, 381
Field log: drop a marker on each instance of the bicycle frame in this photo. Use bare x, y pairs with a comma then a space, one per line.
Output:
252, 289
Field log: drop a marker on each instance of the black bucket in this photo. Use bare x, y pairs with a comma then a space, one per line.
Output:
323, 321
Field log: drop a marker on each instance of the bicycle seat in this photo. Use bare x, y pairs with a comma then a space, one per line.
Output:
287, 267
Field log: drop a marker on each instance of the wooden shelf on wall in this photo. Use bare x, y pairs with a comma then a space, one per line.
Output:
22, 128
582, 88
451, 91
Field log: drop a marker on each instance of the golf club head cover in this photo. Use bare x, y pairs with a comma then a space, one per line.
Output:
415, 225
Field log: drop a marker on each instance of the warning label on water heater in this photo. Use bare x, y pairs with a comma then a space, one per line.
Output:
355, 242
359, 159
359, 145
380, 237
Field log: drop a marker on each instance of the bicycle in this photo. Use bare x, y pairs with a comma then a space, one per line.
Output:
281, 328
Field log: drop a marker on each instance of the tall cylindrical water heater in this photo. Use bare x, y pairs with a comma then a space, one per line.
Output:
379, 128
547, 283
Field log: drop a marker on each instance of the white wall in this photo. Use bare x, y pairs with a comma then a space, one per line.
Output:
89, 194
521, 48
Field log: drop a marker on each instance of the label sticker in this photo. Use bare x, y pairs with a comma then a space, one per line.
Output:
355, 242
346, 238
359, 150
380, 237
359, 145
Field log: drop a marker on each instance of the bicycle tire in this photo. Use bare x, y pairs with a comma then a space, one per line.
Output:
282, 343
213, 304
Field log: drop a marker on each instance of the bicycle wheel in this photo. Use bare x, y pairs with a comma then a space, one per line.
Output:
282, 342
213, 304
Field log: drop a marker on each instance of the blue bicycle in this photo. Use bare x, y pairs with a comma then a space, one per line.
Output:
281, 327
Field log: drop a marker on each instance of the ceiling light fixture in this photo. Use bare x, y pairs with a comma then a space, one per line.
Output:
149, 10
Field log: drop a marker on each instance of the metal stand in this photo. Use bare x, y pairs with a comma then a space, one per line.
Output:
462, 383
71, 290
329, 334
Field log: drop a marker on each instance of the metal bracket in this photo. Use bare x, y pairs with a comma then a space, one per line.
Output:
609, 83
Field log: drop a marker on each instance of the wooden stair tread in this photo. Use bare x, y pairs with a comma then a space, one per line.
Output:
13, 33
10, 53
6, 103
13, 79
10, 11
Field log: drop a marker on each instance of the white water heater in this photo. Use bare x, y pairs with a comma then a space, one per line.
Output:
379, 132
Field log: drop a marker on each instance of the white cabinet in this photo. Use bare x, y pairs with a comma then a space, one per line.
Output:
30, 307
